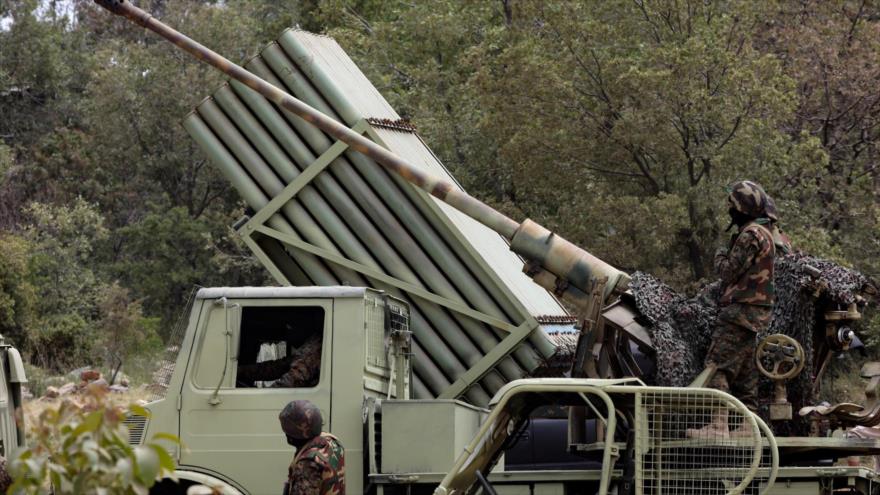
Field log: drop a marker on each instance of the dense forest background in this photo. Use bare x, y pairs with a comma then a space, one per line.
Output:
616, 123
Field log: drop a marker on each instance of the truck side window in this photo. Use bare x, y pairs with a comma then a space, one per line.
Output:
280, 347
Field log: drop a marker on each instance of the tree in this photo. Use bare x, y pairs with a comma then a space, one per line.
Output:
87, 114
17, 294
832, 51
637, 102
62, 241
122, 333
571, 113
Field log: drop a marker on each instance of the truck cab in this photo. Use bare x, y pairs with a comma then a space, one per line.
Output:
229, 426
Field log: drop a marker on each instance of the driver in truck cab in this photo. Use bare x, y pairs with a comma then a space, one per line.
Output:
319, 464
301, 369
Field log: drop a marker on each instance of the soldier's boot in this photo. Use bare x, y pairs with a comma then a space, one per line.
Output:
716, 429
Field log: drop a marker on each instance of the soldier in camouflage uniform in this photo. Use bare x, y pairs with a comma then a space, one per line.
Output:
301, 369
319, 464
746, 305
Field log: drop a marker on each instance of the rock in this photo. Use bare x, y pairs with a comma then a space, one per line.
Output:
124, 381
119, 389
67, 389
89, 375
100, 383
51, 392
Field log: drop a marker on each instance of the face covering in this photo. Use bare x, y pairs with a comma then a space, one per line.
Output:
296, 442
737, 218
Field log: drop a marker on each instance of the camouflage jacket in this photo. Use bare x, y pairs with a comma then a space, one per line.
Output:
781, 240
747, 269
301, 369
318, 468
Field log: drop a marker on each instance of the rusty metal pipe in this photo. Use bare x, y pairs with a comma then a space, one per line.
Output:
467, 204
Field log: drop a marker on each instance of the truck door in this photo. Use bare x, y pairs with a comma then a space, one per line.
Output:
228, 419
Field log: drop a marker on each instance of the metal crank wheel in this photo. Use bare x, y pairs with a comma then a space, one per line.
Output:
779, 357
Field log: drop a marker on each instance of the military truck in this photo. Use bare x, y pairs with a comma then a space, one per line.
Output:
423, 315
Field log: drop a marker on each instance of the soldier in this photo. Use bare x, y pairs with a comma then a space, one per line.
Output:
301, 369
319, 464
746, 306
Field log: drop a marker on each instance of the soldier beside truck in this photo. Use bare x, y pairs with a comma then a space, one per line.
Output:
319, 465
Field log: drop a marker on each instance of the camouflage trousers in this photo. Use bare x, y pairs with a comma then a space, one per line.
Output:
733, 352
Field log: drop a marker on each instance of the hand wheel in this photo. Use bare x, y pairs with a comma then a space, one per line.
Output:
779, 357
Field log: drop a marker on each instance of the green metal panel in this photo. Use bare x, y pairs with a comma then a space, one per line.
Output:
446, 425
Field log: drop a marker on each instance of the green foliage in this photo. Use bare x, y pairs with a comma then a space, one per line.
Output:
636, 109
83, 449
62, 242
168, 252
77, 312
17, 294
113, 211
122, 331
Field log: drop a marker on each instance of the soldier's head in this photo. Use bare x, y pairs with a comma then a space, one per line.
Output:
301, 421
748, 201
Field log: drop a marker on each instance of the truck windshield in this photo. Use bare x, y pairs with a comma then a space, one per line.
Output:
161, 376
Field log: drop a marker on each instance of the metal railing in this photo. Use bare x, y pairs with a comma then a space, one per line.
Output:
684, 440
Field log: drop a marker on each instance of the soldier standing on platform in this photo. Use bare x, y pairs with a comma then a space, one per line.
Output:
746, 306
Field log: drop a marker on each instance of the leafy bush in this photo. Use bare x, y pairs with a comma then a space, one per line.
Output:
82, 448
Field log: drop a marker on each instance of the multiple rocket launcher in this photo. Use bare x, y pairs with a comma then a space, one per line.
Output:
299, 133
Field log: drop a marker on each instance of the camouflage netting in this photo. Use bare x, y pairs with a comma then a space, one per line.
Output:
681, 327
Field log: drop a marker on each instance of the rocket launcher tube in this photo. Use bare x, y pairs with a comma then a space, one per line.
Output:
563, 259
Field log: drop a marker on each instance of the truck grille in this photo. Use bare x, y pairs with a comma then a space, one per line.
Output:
137, 425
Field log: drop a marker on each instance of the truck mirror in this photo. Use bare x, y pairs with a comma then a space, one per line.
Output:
16, 366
